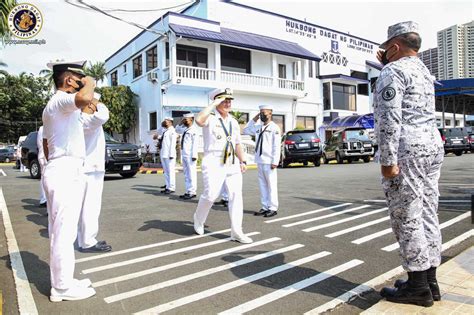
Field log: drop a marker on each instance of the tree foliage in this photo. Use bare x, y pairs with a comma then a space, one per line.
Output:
121, 102
5, 7
96, 70
22, 99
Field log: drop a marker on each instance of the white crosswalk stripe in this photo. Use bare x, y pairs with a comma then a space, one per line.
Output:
322, 226
371, 236
231, 285
181, 263
443, 225
158, 255
357, 227
134, 249
307, 213
251, 305
325, 216
158, 286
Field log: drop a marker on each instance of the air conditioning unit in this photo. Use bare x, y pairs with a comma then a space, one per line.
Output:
153, 76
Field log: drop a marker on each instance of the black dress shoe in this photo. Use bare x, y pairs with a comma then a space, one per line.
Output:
183, 196
42, 205
270, 213
225, 203
167, 191
164, 186
414, 291
434, 287
97, 248
260, 212
187, 197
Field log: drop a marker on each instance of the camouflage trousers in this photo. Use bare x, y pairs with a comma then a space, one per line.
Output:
412, 199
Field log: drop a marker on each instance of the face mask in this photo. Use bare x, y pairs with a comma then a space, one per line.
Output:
187, 123
163, 124
263, 117
81, 85
384, 56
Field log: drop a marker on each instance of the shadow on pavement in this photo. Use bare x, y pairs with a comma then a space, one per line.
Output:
184, 228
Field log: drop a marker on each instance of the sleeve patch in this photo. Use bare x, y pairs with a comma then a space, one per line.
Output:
388, 93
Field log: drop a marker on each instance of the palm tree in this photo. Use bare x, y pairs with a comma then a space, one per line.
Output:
96, 70
48, 75
5, 7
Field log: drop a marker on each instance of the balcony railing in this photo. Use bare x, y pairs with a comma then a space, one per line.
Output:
196, 73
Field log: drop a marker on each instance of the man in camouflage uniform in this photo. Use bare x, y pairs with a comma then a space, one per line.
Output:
410, 154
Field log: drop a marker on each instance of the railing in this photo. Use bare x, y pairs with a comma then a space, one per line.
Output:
291, 84
246, 79
195, 73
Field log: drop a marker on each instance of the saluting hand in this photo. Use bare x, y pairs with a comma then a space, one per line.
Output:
379, 55
256, 117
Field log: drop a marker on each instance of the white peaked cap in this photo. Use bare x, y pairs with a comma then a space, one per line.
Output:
188, 115
270, 107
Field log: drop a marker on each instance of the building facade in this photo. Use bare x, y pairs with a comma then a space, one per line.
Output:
310, 74
456, 52
430, 59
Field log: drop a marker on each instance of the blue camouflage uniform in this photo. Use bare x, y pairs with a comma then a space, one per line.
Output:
407, 135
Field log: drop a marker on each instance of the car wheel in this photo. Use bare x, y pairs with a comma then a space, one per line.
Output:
305, 163
128, 174
458, 153
366, 159
325, 159
35, 170
350, 160
7, 160
317, 161
339, 158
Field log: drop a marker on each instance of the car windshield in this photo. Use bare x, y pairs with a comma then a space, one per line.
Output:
357, 134
302, 136
109, 139
3, 150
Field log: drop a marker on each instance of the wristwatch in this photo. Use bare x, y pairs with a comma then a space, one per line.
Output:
243, 162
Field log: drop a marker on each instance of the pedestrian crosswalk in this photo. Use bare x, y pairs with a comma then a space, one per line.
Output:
146, 273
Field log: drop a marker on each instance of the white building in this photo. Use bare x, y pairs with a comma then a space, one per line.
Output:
456, 52
309, 73
430, 59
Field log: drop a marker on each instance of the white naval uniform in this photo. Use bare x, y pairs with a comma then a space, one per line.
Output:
64, 183
94, 169
216, 174
267, 152
168, 157
189, 151
42, 162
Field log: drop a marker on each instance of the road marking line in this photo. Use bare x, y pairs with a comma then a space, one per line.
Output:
325, 216
461, 217
381, 279
150, 246
158, 286
26, 302
231, 285
258, 302
357, 227
440, 201
322, 226
371, 236
307, 213
158, 255
180, 263
3, 173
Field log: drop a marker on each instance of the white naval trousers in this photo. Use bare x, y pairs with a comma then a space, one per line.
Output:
169, 172
42, 192
215, 175
64, 184
268, 182
89, 220
190, 175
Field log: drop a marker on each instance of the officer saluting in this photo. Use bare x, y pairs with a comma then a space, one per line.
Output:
189, 154
64, 180
267, 157
168, 155
223, 163
410, 154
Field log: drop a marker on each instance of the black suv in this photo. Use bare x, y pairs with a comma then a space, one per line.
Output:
301, 146
122, 158
349, 144
455, 140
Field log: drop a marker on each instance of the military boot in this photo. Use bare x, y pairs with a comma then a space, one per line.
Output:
432, 283
415, 291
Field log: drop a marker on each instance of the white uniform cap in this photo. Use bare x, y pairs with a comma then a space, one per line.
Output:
188, 115
270, 107
225, 93
168, 118
73, 66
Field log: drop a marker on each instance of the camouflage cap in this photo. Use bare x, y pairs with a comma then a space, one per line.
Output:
399, 29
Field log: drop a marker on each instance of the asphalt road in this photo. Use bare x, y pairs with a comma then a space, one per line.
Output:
160, 265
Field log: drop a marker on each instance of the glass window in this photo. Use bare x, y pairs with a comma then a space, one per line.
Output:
235, 59
344, 97
298, 136
153, 121
282, 71
305, 122
363, 89
137, 66
310, 68
327, 96
191, 56
113, 78
280, 121
151, 58
360, 134
125, 68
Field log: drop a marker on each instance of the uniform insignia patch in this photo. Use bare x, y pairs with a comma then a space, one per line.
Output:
388, 93
219, 136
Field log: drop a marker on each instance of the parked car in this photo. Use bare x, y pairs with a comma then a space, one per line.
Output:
301, 146
470, 140
7, 155
121, 158
350, 144
455, 140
